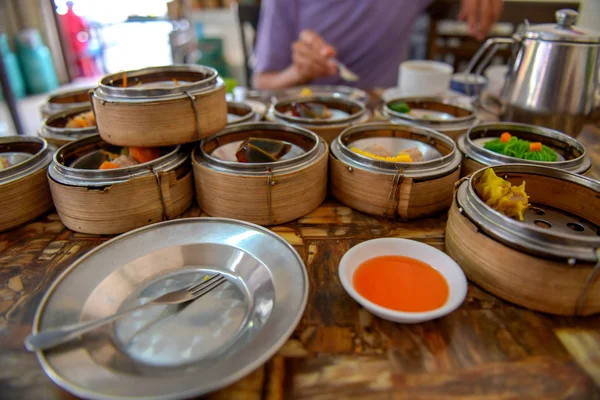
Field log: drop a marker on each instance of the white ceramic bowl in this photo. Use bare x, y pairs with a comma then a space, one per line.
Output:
424, 77
457, 282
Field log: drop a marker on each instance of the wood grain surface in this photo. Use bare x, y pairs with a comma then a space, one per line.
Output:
486, 349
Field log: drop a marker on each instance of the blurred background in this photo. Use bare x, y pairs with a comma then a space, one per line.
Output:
46, 44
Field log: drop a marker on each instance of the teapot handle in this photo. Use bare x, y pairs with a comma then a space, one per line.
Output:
493, 45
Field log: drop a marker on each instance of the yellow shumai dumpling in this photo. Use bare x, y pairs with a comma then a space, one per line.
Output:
501, 195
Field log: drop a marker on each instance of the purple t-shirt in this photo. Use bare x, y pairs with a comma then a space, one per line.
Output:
371, 37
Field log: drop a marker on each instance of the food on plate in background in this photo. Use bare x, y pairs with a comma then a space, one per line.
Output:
514, 147
400, 107
311, 110
257, 150
4, 163
401, 283
128, 157
306, 92
83, 120
378, 152
501, 195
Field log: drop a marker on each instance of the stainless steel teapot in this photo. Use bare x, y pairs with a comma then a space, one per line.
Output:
553, 77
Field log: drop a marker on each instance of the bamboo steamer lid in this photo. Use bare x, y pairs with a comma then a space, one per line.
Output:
24, 191
160, 106
394, 190
114, 201
268, 193
345, 113
549, 261
451, 117
54, 128
64, 100
572, 154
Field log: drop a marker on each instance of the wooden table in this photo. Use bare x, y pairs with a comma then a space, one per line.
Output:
487, 349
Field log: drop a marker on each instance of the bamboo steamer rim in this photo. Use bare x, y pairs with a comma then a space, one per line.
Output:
243, 110
66, 175
55, 102
465, 121
357, 108
202, 153
207, 80
49, 131
37, 147
421, 169
467, 146
531, 239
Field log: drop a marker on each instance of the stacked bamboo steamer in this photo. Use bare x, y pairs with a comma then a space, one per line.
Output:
548, 262
61, 101
160, 107
450, 117
397, 190
239, 113
55, 131
24, 192
346, 112
265, 193
572, 154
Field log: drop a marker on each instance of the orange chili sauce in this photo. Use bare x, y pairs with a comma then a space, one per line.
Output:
401, 283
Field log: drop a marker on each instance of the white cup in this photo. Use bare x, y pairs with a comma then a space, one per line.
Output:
424, 77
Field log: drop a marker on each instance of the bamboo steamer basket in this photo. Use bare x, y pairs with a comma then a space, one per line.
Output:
55, 132
448, 116
572, 154
24, 191
351, 112
239, 113
64, 100
389, 189
114, 201
263, 193
160, 106
549, 261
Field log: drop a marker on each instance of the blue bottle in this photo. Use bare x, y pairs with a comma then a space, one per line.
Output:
36, 62
11, 65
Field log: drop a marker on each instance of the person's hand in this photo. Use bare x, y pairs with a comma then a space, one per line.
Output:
312, 57
480, 15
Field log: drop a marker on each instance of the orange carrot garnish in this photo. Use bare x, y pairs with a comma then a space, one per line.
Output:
535, 146
505, 137
144, 154
109, 165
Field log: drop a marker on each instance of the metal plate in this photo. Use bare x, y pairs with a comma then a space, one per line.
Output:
482, 141
440, 155
227, 151
547, 217
395, 145
572, 155
15, 158
430, 115
201, 347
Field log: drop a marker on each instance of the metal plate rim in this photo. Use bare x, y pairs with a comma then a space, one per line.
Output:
261, 359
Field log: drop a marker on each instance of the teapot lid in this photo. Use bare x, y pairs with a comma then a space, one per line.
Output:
564, 30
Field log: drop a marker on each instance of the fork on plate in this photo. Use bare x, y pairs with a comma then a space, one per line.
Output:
52, 337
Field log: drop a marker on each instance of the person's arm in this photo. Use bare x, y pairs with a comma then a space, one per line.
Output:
312, 58
282, 60
480, 15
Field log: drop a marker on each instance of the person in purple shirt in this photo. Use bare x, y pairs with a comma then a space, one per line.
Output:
299, 40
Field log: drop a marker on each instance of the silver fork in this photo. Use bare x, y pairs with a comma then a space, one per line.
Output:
52, 337
345, 73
